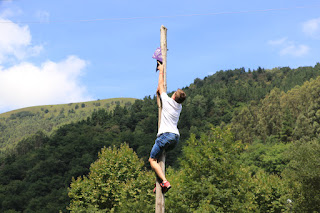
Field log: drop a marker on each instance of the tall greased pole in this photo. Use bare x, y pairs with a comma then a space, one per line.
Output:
162, 160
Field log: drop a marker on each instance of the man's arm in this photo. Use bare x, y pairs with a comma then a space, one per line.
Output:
160, 89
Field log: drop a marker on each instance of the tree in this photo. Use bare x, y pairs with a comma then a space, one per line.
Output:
116, 182
268, 157
213, 179
244, 124
209, 178
198, 106
270, 115
303, 172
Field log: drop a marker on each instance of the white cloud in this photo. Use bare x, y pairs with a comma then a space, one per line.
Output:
287, 47
9, 13
278, 41
25, 84
43, 15
295, 50
52, 83
15, 42
312, 28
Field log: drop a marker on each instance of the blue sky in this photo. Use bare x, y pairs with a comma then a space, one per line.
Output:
63, 51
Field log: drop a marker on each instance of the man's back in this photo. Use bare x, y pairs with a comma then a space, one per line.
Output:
170, 115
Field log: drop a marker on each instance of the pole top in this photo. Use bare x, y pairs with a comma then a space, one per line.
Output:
163, 27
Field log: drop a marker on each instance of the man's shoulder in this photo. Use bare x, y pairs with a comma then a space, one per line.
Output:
164, 95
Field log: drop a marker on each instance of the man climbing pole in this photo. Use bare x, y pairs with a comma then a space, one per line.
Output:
168, 133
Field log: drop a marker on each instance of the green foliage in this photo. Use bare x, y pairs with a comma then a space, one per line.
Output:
267, 193
303, 172
286, 116
215, 175
21, 114
269, 157
270, 115
212, 179
209, 174
225, 92
18, 124
280, 120
244, 123
116, 183
35, 177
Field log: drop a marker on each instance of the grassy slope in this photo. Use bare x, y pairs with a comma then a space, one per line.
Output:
18, 124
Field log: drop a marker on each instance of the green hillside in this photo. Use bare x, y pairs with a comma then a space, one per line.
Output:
249, 142
18, 124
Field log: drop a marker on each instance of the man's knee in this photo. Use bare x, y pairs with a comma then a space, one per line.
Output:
151, 160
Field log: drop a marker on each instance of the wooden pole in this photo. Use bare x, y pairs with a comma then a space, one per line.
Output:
162, 160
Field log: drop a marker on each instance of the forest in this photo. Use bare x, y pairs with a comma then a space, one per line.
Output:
21, 123
249, 143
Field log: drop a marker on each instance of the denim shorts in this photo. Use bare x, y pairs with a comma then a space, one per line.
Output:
166, 141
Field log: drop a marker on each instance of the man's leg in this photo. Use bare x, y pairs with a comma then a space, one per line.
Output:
156, 167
